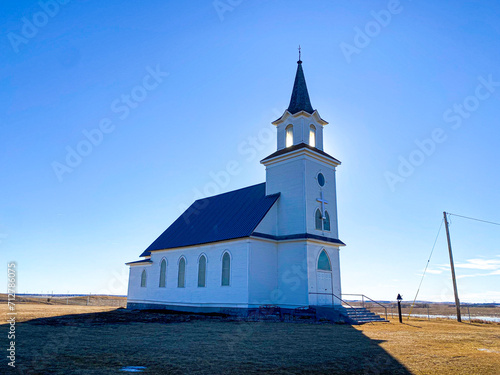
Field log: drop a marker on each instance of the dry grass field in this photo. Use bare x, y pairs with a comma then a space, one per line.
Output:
59, 339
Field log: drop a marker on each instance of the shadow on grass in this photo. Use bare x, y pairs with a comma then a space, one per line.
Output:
103, 343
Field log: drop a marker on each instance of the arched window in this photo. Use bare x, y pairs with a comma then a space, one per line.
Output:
318, 220
326, 222
289, 136
324, 262
181, 277
202, 268
312, 136
226, 269
143, 279
163, 273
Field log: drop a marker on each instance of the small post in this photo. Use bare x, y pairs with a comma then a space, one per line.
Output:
399, 298
468, 311
428, 316
455, 290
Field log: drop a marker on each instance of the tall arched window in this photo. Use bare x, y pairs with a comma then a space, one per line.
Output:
324, 262
318, 220
289, 136
312, 136
226, 269
326, 222
143, 279
163, 273
181, 277
202, 268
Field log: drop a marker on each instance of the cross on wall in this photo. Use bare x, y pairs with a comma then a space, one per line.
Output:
323, 201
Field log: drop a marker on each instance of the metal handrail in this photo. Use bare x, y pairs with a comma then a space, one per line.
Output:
363, 301
340, 299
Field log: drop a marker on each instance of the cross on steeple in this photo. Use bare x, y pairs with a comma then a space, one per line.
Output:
299, 53
323, 201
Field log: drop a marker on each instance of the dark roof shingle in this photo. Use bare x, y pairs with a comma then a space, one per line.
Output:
222, 217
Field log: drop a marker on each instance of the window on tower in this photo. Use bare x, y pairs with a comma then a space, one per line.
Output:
312, 136
318, 220
143, 279
289, 136
326, 223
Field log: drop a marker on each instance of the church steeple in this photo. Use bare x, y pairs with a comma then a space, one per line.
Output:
300, 97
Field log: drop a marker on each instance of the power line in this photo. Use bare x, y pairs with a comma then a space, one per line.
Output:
471, 218
425, 270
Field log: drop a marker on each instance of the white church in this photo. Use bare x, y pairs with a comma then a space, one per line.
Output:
275, 243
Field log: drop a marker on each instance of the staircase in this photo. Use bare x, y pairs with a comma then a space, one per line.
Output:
360, 315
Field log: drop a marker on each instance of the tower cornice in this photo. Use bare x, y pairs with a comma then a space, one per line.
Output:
301, 149
315, 115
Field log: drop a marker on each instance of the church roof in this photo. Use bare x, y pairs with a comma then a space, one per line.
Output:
222, 217
300, 97
298, 147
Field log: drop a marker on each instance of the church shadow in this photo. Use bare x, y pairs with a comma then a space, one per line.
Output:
170, 343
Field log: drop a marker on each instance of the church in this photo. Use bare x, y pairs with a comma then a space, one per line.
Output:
275, 243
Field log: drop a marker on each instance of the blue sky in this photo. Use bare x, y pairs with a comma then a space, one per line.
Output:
171, 92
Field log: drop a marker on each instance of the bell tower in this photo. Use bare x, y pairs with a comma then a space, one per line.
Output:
301, 171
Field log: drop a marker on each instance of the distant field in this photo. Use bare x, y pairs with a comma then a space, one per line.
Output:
59, 339
92, 300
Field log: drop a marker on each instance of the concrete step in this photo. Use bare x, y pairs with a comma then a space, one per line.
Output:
361, 315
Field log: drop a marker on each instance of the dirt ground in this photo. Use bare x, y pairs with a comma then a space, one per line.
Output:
58, 339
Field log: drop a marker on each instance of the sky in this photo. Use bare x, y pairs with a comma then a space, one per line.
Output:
114, 117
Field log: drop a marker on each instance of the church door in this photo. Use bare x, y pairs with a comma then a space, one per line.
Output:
324, 288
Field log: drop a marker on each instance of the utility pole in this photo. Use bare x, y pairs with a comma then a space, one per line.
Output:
457, 301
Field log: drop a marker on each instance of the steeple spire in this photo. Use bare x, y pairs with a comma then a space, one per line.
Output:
300, 97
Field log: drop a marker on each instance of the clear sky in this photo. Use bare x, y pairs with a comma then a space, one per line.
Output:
170, 92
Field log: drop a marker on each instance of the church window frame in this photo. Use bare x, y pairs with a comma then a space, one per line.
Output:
226, 261
181, 272
320, 177
162, 282
326, 222
289, 135
312, 135
320, 263
144, 278
202, 271
318, 219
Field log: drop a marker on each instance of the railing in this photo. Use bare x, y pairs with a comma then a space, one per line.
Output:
363, 297
340, 299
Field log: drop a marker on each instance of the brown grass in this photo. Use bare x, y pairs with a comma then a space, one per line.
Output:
100, 340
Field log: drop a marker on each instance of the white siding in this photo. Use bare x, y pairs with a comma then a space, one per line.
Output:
234, 295
262, 273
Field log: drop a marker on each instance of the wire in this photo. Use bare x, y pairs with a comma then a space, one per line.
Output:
471, 218
425, 270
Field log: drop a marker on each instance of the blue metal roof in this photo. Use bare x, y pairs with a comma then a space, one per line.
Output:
222, 217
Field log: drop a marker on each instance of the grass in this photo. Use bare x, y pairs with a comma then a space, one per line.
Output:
59, 339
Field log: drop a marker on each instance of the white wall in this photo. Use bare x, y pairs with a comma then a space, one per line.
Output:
292, 274
235, 295
263, 272
313, 189
287, 178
